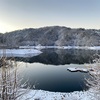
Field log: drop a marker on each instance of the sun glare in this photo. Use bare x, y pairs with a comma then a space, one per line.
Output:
4, 27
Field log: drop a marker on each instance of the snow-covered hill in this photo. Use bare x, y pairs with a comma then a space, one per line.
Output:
51, 36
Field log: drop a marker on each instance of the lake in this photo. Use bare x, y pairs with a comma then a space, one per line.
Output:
48, 71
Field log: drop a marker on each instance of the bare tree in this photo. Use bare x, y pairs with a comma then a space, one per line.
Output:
10, 82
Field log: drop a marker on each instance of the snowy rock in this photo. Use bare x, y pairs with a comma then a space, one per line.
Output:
77, 69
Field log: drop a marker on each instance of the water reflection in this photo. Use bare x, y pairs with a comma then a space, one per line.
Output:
53, 78
48, 71
61, 57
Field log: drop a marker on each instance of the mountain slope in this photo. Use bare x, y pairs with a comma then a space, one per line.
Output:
55, 35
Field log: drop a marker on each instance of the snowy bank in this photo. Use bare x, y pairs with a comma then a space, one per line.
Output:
62, 47
91, 68
75, 69
19, 52
46, 95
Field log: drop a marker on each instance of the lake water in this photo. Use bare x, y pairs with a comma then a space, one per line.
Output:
48, 71
62, 56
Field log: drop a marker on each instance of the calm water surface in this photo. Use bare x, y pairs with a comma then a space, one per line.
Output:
53, 78
48, 71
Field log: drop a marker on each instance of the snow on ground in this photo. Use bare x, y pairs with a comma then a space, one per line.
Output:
84, 68
63, 47
77, 69
46, 95
19, 52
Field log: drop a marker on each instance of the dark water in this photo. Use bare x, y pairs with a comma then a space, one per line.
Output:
48, 71
53, 78
62, 57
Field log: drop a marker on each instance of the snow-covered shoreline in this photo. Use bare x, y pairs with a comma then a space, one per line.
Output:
87, 68
19, 52
47, 95
63, 47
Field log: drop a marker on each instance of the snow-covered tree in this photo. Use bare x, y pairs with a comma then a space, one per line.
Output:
10, 83
94, 81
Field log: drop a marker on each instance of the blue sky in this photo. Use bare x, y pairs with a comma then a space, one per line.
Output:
19, 14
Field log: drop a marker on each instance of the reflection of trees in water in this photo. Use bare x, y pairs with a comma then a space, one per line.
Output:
75, 56
61, 56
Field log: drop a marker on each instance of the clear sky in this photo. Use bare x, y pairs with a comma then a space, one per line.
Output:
19, 14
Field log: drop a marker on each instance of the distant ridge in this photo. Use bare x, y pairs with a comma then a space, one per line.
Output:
51, 36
